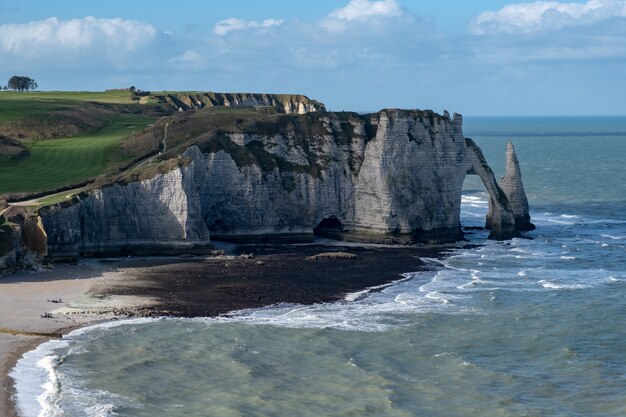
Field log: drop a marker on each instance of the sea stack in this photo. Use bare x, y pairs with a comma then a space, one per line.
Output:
512, 186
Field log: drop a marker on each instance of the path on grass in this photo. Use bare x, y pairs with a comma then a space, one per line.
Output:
164, 141
68, 193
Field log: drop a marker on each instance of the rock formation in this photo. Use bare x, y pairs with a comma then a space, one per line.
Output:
22, 243
392, 176
284, 103
512, 186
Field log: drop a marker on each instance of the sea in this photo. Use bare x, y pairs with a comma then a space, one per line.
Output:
535, 326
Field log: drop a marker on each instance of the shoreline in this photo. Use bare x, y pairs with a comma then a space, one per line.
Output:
96, 291
27, 295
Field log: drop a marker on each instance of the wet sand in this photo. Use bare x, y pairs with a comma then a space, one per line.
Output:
23, 299
95, 291
26, 296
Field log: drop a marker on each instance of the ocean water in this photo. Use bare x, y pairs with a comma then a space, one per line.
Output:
520, 328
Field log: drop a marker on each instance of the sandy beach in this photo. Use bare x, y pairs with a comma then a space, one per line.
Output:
64, 293
99, 290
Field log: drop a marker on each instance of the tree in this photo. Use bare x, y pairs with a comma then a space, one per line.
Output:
21, 83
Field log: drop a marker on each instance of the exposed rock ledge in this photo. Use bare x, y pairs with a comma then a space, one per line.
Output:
393, 177
284, 103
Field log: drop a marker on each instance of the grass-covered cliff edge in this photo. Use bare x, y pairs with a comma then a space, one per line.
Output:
160, 177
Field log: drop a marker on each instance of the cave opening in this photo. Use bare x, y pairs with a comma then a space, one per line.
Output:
329, 227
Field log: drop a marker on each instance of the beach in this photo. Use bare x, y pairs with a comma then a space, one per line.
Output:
64, 293
94, 291
23, 299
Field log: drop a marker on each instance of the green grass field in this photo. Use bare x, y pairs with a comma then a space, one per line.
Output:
14, 105
53, 163
111, 96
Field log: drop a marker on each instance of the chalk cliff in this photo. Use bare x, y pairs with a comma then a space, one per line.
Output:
391, 176
284, 103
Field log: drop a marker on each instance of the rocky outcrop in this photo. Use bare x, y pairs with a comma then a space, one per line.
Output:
512, 186
393, 176
23, 242
284, 103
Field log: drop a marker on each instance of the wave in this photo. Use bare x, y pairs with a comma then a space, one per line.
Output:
459, 285
37, 383
612, 237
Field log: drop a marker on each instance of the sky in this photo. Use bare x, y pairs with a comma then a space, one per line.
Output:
475, 57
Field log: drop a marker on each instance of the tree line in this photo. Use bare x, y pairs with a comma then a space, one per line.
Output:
21, 83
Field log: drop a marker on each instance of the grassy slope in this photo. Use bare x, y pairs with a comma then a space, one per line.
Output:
14, 105
53, 163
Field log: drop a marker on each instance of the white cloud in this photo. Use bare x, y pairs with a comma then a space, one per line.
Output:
224, 27
540, 16
551, 32
364, 32
191, 60
62, 38
360, 12
364, 9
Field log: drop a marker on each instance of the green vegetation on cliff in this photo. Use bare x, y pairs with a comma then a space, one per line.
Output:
53, 163
15, 104
54, 141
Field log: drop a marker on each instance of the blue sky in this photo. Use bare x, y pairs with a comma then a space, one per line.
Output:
490, 57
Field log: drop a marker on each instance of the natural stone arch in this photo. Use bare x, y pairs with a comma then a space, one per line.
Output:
473, 211
500, 219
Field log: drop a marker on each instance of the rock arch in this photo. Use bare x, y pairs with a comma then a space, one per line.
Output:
500, 218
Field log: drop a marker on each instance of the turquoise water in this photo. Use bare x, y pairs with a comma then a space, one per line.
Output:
520, 328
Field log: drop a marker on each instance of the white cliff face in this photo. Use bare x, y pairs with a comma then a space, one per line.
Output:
158, 213
284, 103
391, 177
412, 175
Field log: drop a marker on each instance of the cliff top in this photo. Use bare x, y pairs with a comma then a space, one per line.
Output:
65, 133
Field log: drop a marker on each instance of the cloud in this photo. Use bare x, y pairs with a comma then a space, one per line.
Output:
550, 32
63, 39
360, 13
191, 59
377, 33
356, 12
226, 26
364, 10
542, 16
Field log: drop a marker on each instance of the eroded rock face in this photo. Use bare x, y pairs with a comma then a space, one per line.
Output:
392, 176
23, 243
160, 215
284, 103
